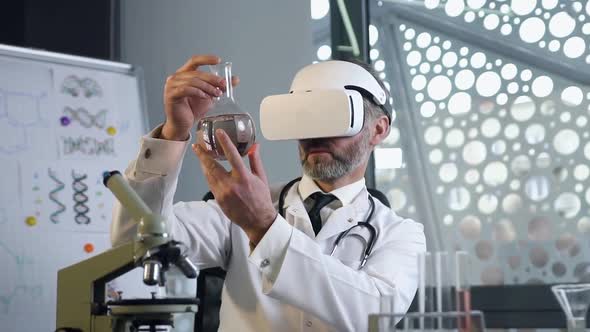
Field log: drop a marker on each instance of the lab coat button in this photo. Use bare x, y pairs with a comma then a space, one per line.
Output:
147, 154
308, 323
350, 220
264, 263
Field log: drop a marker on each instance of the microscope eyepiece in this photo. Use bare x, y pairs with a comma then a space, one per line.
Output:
107, 175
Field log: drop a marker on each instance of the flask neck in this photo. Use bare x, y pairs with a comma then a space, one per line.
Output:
229, 89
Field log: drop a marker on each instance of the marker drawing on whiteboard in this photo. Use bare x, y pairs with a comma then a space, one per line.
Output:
80, 198
59, 186
86, 118
75, 86
31, 221
24, 266
90, 87
20, 113
21, 109
88, 146
112, 131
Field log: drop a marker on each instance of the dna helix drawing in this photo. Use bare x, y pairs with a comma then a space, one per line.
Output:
88, 146
59, 186
86, 118
75, 86
80, 198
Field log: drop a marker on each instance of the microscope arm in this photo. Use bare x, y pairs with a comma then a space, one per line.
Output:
81, 287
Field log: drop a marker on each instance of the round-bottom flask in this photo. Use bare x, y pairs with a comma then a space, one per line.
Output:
226, 114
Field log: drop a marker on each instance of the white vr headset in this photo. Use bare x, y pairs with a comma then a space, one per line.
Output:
326, 100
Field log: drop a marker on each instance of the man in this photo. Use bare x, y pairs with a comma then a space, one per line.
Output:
280, 274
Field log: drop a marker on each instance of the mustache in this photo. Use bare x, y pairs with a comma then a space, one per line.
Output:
315, 143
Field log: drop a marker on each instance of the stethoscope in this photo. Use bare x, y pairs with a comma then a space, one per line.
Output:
366, 223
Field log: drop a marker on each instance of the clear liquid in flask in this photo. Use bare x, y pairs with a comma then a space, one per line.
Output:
239, 127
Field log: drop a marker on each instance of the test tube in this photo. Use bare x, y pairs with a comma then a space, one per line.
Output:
462, 284
426, 285
387, 306
443, 276
463, 289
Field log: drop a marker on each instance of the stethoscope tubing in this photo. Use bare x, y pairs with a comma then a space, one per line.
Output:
366, 223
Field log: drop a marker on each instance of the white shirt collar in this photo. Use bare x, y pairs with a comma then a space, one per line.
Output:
345, 194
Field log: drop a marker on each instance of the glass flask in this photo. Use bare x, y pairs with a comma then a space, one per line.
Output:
225, 114
574, 300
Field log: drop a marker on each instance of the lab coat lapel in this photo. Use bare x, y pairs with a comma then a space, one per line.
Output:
339, 221
295, 212
345, 217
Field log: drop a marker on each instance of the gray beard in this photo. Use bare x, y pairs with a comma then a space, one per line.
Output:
342, 163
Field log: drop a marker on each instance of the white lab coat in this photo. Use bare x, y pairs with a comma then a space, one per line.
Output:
288, 282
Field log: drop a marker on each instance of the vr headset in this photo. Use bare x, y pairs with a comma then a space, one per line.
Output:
325, 100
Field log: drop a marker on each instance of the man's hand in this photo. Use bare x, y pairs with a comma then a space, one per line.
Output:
243, 195
188, 95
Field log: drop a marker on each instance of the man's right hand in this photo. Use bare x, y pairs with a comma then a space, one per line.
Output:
188, 95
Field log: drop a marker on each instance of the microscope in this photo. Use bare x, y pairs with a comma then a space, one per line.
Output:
81, 288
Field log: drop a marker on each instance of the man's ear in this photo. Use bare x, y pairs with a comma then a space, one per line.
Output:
380, 130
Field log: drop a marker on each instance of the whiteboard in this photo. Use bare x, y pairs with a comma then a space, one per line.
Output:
64, 120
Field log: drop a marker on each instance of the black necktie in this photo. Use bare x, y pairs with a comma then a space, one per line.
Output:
319, 201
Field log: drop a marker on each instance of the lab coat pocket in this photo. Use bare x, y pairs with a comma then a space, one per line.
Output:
354, 264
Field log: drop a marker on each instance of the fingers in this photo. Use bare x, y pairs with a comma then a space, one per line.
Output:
193, 84
231, 153
180, 92
208, 89
209, 83
256, 163
235, 80
199, 60
214, 172
201, 75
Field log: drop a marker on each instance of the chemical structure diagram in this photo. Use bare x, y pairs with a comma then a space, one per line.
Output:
19, 114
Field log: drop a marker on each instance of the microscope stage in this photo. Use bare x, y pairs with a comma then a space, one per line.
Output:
153, 306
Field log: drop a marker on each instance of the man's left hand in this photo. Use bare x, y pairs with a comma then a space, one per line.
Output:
242, 194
